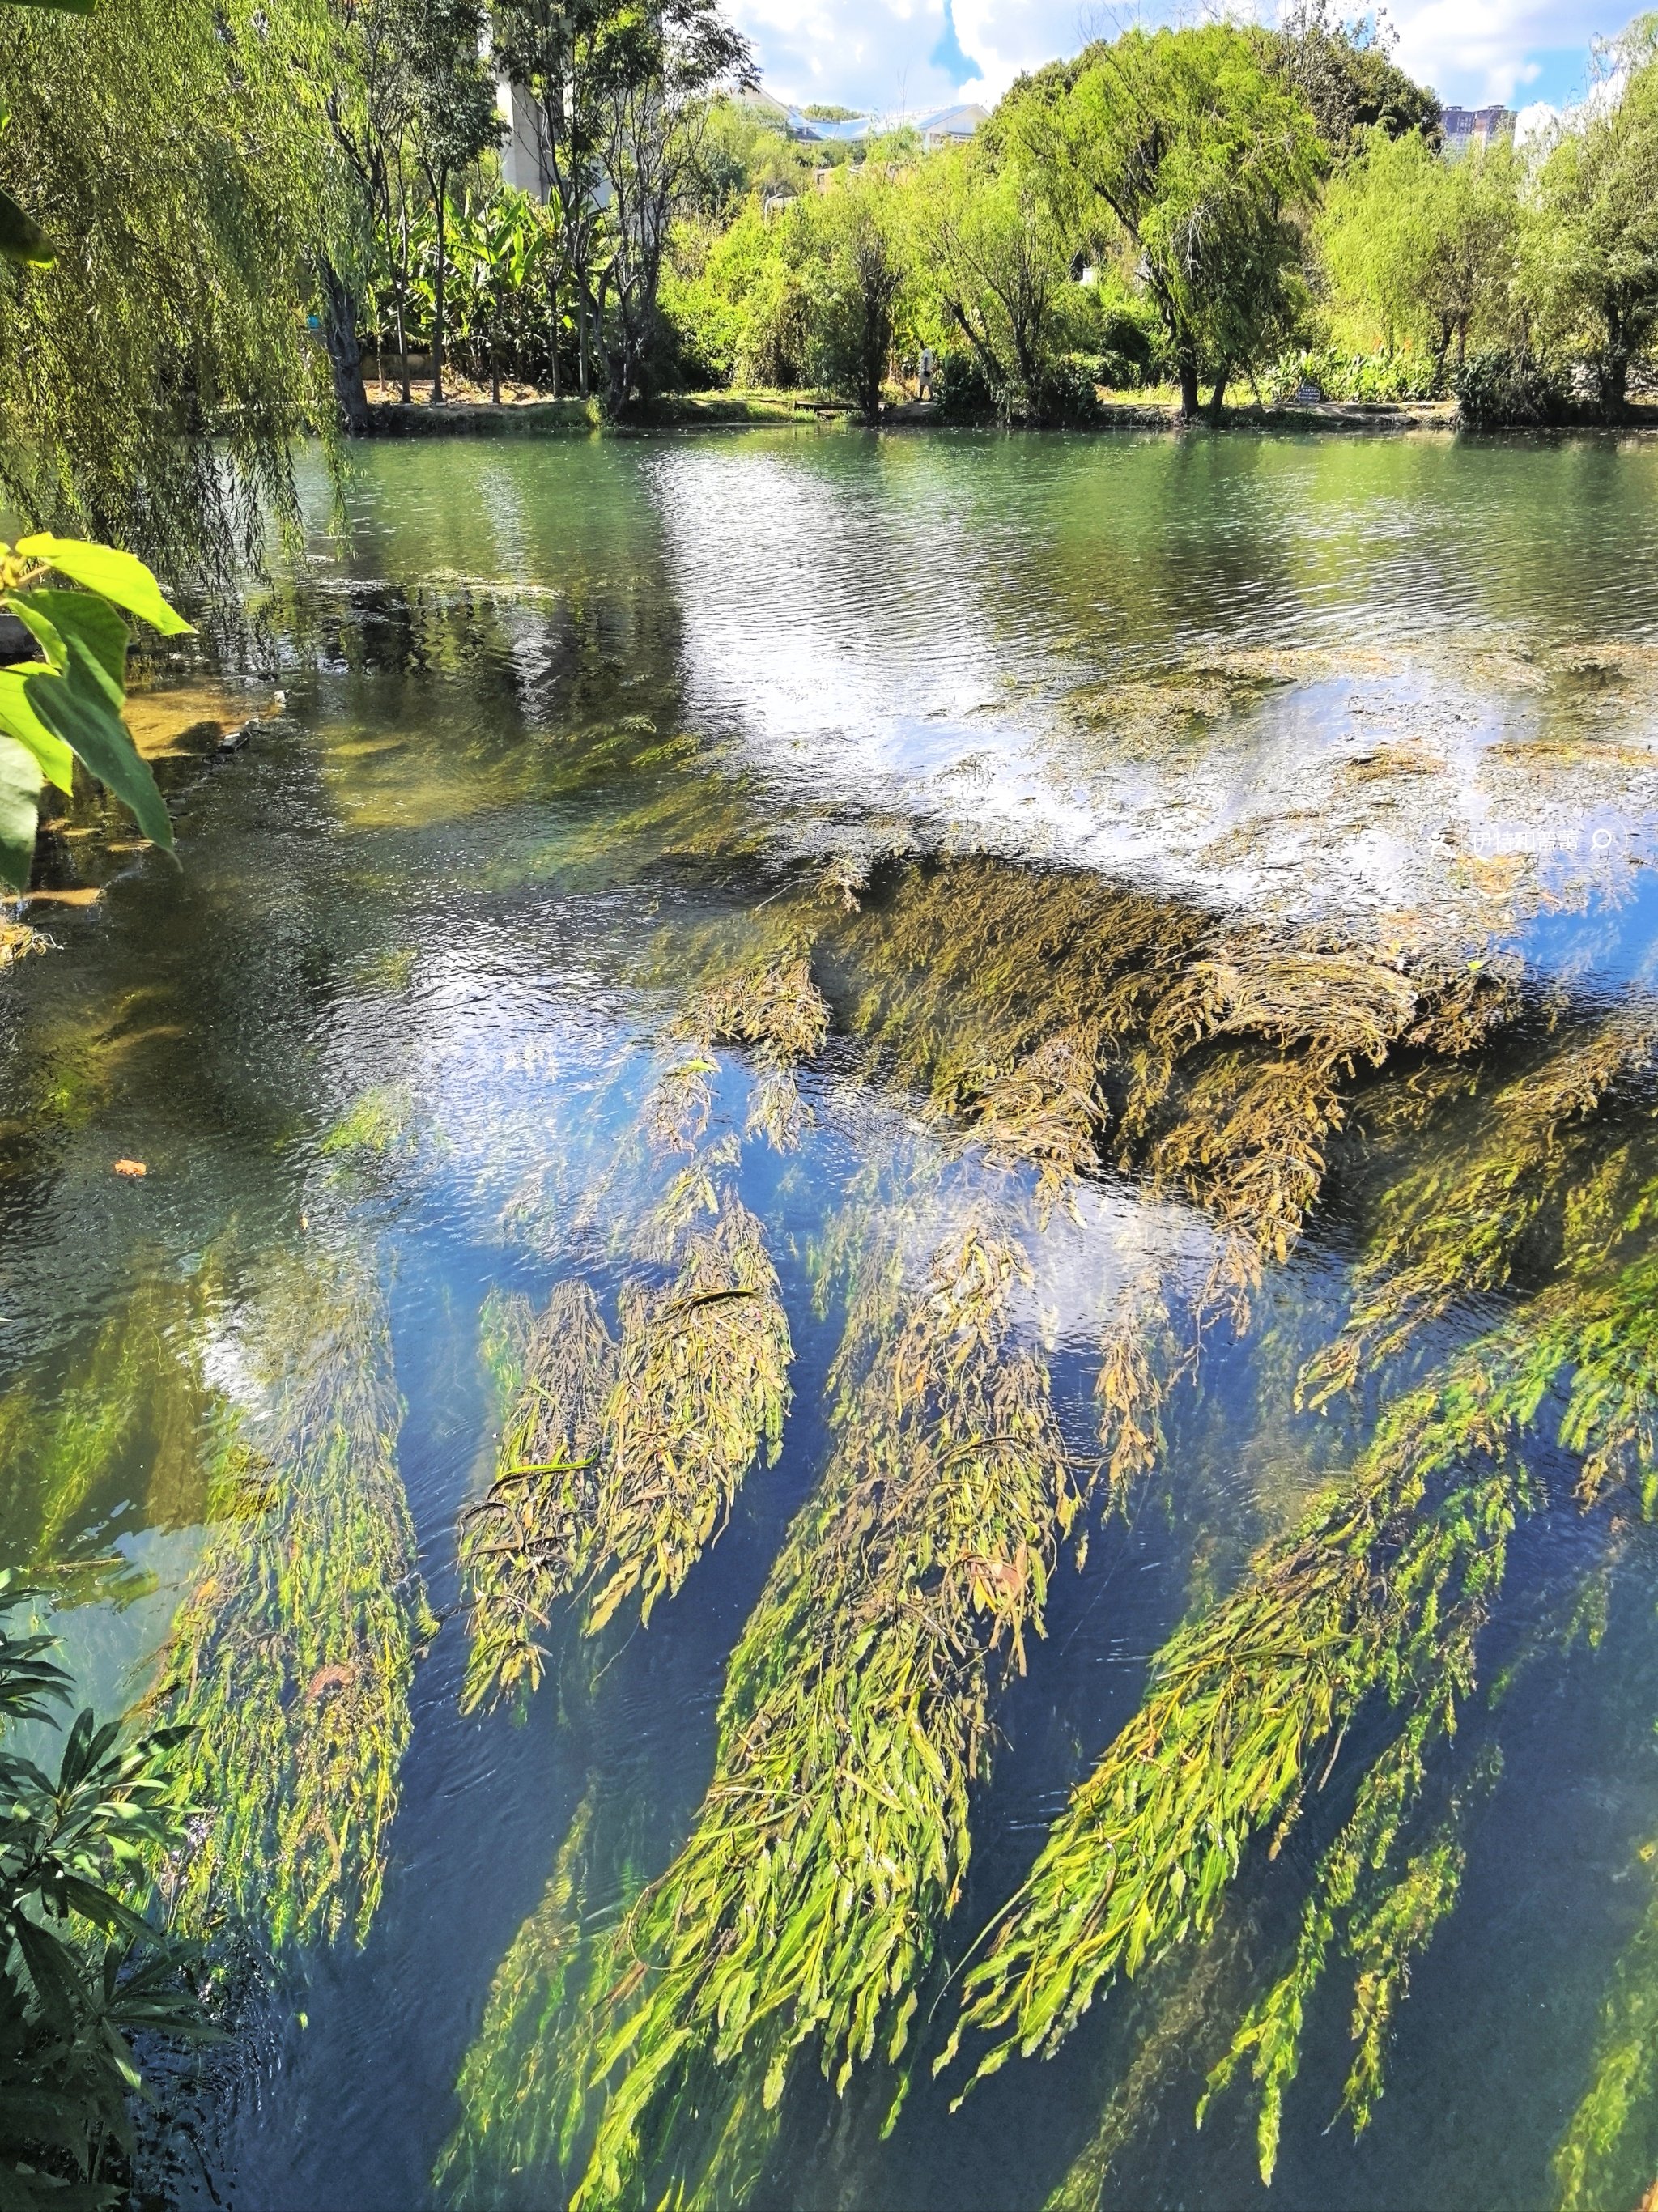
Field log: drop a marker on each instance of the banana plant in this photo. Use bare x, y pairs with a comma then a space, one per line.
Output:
67, 707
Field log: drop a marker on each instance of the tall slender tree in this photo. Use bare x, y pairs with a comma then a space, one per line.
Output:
621, 91
454, 119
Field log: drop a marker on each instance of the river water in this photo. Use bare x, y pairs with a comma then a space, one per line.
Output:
1214, 878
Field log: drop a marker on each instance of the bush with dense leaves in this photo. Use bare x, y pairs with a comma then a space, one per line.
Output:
1505, 390
81, 1971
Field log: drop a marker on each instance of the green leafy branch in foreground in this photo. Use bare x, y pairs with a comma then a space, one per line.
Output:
1382, 1592
68, 707
80, 1970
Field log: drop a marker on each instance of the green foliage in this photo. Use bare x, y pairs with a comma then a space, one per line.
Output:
81, 1969
1504, 390
1347, 75
862, 267
1184, 150
68, 705
1422, 254
176, 291
741, 301
1595, 268
999, 264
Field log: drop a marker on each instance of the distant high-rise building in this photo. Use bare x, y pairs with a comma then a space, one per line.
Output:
1476, 127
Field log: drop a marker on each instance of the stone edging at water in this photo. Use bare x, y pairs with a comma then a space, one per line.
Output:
738, 410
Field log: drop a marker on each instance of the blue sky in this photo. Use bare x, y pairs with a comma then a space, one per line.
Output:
915, 55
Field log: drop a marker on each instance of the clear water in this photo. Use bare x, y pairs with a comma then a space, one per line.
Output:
559, 719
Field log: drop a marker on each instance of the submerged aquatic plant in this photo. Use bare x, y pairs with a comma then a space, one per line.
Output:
1384, 1590
1454, 1226
136, 1398
701, 1393
517, 2114
524, 1545
291, 1659
1610, 2147
619, 1463
1045, 1113
834, 1838
776, 1011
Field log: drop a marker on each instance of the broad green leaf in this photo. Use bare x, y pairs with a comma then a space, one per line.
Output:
21, 238
83, 708
19, 800
110, 573
98, 625
51, 1969
19, 719
40, 626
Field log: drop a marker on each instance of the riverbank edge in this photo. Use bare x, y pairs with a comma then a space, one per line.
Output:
738, 411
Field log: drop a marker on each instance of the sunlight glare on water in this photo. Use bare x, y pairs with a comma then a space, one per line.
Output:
1218, 863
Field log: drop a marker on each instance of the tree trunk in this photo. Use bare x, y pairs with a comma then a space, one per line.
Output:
1219, 400
581, 335
1187, 363
437, 300
552, 337
403, 295
339, 330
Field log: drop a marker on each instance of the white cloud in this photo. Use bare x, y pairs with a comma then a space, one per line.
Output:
1476, 51
879, 53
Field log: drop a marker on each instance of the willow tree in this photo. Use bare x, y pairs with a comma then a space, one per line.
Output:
865, 269
1001, 265
1187, 151
1423, 253
1595, 250
150, 380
